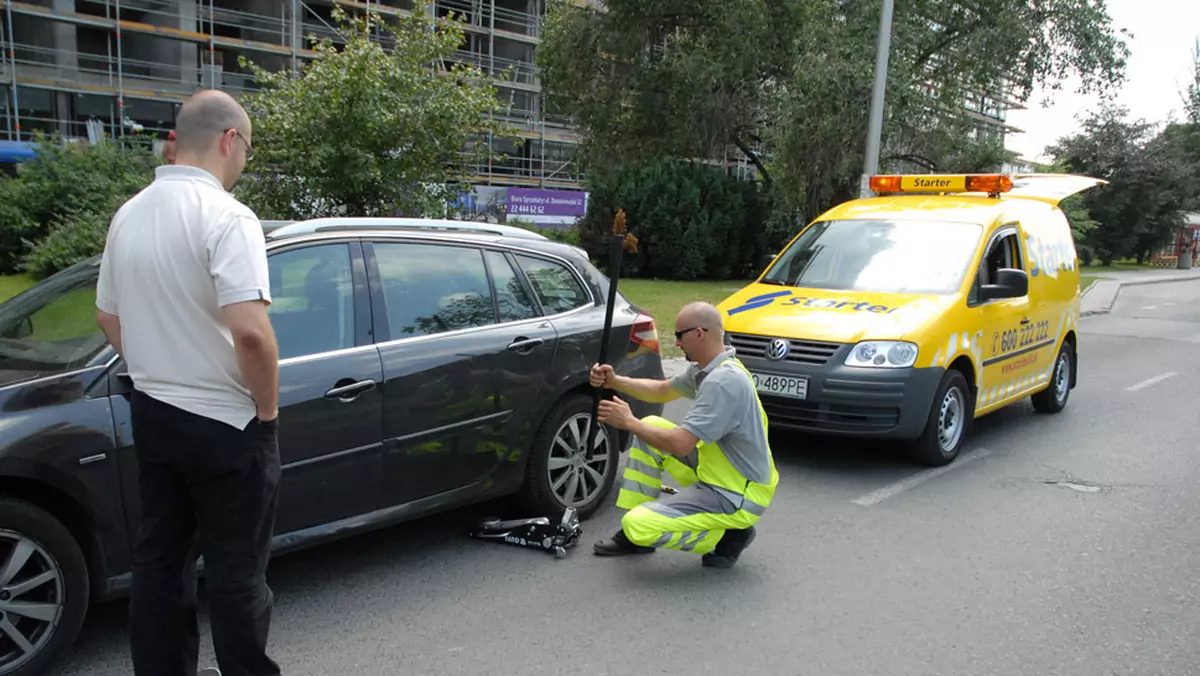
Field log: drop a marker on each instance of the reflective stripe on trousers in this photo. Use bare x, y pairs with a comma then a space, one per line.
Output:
693, 521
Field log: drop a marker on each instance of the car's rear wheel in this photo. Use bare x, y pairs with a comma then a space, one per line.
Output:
43, 589
559, 473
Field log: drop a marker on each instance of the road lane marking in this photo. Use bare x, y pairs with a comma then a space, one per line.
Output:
1150, 381
892, 490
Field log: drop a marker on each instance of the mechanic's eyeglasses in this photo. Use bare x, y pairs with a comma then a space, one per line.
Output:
680, 334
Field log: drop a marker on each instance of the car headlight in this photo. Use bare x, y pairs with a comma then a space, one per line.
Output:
884, 354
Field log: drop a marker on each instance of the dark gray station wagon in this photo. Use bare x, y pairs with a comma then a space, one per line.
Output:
421, 369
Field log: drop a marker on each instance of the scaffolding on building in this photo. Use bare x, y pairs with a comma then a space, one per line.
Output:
85, 68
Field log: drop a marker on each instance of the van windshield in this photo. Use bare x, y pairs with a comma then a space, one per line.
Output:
884, 256
51, 328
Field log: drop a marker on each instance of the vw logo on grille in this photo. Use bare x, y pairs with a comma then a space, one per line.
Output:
777, 349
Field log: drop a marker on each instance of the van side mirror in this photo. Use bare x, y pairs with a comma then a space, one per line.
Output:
766, 262
1009, 284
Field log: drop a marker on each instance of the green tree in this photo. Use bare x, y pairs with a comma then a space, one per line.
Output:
787, 83
372, 127
1191, 100
1142, 205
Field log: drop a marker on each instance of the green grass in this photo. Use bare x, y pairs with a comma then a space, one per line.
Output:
11, 285
1085, 281
1117, 266
663, 299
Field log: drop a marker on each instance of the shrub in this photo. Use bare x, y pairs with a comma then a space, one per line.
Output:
68, 186
692, 221
75, 236
568, 234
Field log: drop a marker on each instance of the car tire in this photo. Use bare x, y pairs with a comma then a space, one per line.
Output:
1054, 398
547, 474
949, 423
53, 552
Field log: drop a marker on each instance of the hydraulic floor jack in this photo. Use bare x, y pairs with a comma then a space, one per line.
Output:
535, 533
538, 532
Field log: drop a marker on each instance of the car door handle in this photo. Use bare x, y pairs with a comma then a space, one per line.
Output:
523, 344
1025, 320
345, 391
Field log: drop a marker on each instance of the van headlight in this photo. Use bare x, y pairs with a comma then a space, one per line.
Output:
884, 354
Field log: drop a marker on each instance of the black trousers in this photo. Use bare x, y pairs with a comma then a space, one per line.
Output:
201, 477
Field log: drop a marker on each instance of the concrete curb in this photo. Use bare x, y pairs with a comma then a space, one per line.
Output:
1107, 290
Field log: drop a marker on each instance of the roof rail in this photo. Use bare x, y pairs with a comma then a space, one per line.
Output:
432, 224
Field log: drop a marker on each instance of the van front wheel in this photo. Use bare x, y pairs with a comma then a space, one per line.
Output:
949, 421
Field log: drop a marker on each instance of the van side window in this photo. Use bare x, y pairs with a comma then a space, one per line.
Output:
1004, 252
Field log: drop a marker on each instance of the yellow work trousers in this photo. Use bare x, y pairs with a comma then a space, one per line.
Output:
694, 520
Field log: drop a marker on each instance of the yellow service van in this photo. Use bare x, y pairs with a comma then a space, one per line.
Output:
909, 314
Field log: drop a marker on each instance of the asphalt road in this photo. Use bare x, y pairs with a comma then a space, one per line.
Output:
1064, 544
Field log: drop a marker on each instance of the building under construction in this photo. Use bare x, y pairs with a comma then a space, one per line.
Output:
87, 68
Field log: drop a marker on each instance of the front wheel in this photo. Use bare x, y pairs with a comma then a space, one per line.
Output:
1054, 398
559, 473
43, 589
949, 421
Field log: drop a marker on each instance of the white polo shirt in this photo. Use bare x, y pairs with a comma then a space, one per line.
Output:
176, 253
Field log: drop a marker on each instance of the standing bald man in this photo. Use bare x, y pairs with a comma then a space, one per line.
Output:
183, 296
719, 452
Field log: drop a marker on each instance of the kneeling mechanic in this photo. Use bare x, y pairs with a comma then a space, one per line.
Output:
719, 454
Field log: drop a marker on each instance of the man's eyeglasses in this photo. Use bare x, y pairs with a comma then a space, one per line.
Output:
249, 149
680, 334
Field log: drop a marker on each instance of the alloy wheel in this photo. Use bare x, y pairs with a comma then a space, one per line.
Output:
574, 479
32, 598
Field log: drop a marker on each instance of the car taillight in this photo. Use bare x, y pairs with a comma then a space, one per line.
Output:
644, 333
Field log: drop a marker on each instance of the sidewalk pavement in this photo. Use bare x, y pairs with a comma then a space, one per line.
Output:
673, 366
1100, 297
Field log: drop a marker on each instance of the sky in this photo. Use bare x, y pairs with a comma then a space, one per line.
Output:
1157, 73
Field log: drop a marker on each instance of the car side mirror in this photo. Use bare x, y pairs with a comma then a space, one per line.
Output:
1009, 284
20, 330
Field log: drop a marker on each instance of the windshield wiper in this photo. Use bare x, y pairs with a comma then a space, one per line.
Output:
774, 282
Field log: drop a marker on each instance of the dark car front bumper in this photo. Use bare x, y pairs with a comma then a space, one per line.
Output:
843, 400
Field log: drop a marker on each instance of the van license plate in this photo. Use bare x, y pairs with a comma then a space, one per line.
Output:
781, 386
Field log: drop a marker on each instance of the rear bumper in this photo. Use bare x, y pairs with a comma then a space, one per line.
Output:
848, 400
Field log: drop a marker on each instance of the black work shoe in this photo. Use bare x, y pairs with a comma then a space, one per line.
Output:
619, 545
727, 551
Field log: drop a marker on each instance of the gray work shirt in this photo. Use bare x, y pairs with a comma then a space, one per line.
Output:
726, 412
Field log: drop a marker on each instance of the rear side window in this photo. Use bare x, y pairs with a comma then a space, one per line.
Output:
556, 287
433, 288
512, 300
